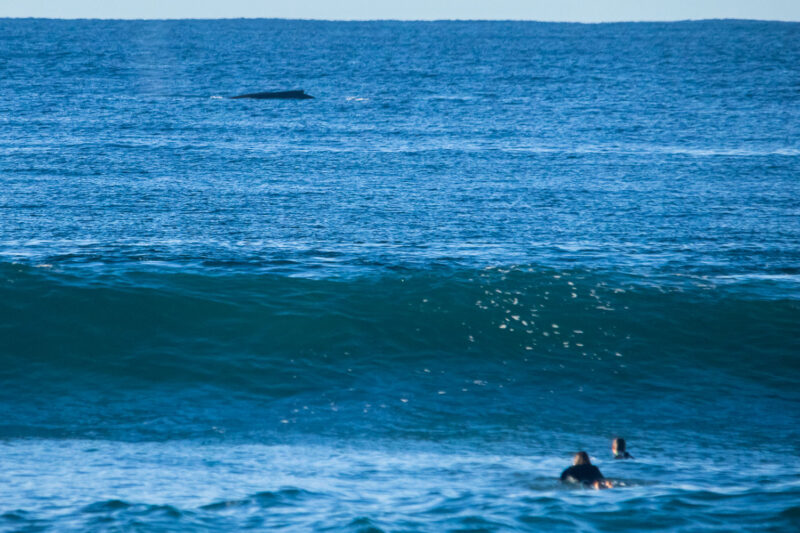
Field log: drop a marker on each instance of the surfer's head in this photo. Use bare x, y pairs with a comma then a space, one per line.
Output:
581, 458
618, 446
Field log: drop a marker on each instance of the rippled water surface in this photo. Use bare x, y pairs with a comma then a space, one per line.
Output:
402, 305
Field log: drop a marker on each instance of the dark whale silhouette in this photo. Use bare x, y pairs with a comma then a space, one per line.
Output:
281, 95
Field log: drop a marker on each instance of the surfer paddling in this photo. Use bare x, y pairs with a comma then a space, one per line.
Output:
584, 472
618, 449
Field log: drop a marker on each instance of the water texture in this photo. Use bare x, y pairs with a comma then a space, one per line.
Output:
402, 305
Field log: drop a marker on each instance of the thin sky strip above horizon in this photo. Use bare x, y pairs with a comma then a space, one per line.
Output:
562, 11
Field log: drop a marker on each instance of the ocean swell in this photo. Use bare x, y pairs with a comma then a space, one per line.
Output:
437, 345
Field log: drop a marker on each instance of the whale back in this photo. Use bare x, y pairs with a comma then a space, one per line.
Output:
279, 95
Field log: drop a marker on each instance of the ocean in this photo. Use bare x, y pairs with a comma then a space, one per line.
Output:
402, 305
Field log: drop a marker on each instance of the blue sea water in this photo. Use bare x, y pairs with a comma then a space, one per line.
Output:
402, 305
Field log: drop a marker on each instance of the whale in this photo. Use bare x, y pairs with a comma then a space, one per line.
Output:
280, 95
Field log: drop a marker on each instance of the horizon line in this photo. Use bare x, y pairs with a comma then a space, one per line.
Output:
620, 21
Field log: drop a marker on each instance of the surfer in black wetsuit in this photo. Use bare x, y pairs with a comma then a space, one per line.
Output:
584, 472
618, 449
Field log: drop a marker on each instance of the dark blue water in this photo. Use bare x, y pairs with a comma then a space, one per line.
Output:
402, 305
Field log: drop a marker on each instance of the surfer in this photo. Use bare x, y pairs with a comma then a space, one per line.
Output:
618, 449
584, 472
